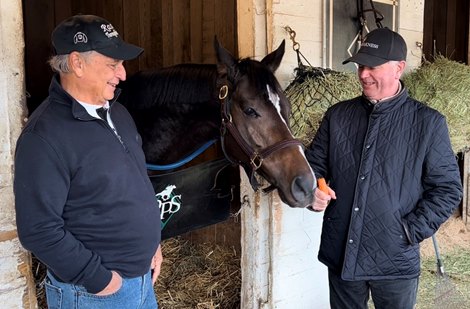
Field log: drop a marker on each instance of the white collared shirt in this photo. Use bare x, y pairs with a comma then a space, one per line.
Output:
386, 98
91, 109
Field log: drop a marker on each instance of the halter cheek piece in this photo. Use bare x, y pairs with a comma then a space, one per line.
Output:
255, 158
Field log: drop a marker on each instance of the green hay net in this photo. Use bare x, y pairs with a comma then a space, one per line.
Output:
443, 85
311, 93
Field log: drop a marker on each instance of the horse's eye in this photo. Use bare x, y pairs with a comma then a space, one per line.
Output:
251, 112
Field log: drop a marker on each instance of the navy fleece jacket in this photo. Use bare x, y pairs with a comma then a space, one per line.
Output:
84, 203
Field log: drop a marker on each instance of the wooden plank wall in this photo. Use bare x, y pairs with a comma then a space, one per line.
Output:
170, 31
446, 29
446, 32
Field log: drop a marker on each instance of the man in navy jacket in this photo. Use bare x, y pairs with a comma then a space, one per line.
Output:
393, 180
84, 204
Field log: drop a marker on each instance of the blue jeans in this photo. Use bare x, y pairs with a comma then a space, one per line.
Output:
135, 293
386, 294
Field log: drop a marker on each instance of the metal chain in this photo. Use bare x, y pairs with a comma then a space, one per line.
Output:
245, 203
296, 47
295, 44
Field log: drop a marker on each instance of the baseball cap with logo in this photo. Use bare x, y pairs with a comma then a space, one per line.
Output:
83, 33
380, 45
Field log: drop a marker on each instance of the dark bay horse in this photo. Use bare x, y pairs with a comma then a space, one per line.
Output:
177, 109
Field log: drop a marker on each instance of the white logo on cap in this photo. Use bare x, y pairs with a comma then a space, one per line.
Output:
80, 37
109, 30
371, 45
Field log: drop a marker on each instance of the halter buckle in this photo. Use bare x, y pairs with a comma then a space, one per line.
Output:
256, 161
223, 92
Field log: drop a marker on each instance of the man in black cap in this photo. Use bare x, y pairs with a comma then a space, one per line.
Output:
84, 204
393, 180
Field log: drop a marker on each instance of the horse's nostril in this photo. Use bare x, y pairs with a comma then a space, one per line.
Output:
302, 188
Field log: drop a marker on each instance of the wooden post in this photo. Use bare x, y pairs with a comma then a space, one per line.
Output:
466, 187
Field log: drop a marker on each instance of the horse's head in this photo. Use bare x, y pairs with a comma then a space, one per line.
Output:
255, 126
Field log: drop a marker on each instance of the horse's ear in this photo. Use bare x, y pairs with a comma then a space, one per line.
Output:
273, 60
226, 63
223, 55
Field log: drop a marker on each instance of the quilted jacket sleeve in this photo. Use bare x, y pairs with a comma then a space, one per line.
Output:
442, 188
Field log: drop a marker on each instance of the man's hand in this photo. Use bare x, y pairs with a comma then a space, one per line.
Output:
323, 195
156, 264
113, 286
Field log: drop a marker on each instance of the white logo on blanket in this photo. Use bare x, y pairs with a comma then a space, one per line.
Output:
168, 202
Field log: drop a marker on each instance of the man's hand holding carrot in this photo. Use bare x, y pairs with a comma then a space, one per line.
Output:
323, 195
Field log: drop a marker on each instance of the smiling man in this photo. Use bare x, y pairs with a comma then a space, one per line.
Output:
393, 180
84, 204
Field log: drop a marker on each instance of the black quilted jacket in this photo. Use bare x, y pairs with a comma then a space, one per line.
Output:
396, 180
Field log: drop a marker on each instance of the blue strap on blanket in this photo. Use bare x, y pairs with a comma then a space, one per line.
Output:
183, 161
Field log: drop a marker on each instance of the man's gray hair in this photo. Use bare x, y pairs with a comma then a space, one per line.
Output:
60, 63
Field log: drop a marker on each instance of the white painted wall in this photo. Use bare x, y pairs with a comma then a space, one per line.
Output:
280, 244
280, 268
299, 279
306, 18
410, 26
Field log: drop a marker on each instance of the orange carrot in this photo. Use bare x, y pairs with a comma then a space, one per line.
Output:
322, 185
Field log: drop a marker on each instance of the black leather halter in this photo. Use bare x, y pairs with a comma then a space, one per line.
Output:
254, 158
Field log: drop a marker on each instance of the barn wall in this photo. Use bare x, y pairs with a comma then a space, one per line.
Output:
16, 283
308, 19
446, 29
411, 27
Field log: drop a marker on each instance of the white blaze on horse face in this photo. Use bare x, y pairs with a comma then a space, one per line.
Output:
274, 98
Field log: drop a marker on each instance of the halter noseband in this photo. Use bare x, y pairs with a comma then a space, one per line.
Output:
255, 158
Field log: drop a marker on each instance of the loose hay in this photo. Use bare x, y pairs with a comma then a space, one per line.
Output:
201, 276
39, 274
193, 276
445, 85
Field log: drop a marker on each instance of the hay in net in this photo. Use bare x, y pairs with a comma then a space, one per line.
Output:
199, 276
445, 86
311, 93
